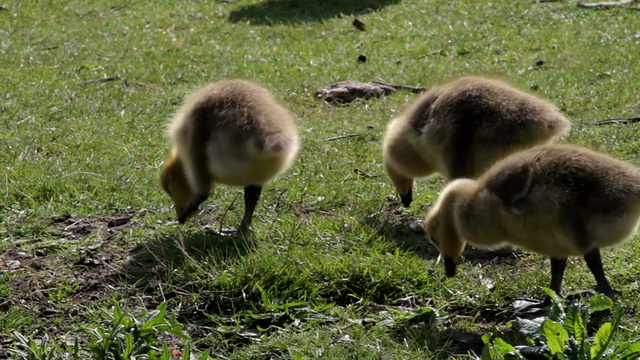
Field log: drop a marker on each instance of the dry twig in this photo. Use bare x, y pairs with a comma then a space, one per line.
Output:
606, 4
101, 80
342, 137
616, 121
348, 91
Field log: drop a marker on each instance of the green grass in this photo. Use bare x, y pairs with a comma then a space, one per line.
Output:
331, 245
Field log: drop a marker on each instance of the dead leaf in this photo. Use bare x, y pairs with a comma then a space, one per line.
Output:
60, 218
176, 352
363, 174
359, 24
343, 338
118, 221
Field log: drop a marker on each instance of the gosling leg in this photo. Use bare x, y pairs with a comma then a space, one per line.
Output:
557, 272
251, 197
594, 262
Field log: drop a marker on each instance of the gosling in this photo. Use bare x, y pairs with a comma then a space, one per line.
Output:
231, 132
460, 128
556, 200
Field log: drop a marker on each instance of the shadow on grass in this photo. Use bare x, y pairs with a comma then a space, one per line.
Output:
406, 232
273, 12
445, 343
177, 250
399, 229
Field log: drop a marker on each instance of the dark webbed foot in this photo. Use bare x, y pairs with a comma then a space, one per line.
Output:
594, 262
558, 266
406, 198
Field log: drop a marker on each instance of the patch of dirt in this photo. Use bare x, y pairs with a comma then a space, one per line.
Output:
65, 225
483, 257
483, 314
56, 279
464, 342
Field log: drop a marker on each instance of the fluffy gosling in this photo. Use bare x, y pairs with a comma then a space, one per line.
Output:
230, 132
462, 127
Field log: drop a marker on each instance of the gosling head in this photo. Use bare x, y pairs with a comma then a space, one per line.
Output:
174, 182
440, 224
402, 183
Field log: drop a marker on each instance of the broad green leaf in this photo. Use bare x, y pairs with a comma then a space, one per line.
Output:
556, 336
574, 324
504, 348
600, 341
599, 302
177, 329
490, 353
556, 313
605, 334
486, 338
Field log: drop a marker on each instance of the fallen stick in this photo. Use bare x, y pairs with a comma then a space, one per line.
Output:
105, 79
606, 4
616, 121
348, 91
342, 137
415, 89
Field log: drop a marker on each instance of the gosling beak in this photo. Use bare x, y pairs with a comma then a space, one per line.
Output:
449, 266
182, 217
185, 212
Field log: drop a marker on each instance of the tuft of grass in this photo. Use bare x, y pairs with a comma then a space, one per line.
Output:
337, 269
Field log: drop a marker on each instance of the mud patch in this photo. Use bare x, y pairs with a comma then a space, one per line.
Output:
483, 314
56, 278
65, 225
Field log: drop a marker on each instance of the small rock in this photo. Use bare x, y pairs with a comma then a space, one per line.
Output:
12, 264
